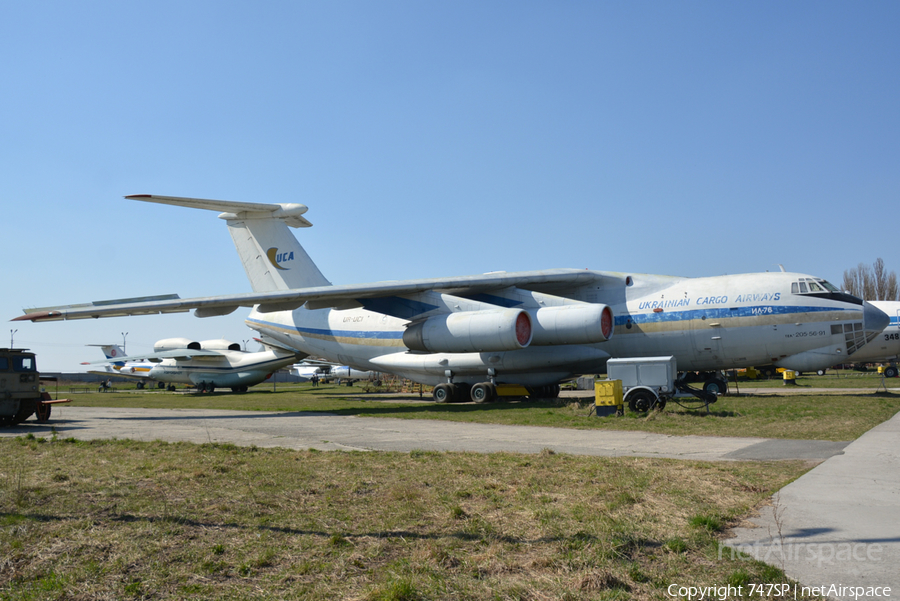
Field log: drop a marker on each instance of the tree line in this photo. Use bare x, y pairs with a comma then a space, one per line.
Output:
872, 282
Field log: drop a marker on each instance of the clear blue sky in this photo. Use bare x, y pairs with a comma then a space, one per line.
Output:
436, 138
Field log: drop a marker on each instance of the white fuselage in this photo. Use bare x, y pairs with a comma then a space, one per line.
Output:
230, 369
706, 323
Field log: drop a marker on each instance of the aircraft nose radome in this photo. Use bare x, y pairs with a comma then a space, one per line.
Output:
875, 319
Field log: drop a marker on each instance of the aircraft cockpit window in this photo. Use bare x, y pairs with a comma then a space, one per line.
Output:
821, 288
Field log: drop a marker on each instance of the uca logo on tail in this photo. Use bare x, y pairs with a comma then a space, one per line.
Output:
276, 257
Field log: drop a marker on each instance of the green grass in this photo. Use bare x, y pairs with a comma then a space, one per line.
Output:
801, 415
136, 520
833, 379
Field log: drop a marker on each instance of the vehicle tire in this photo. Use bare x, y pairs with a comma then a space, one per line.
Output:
820, 372
640, 401
442, 393
43, 412
482, 393
891, 371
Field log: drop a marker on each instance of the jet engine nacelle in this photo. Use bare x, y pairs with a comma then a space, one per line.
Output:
180, 344
471, 331
175, 344
220, 345
572, 324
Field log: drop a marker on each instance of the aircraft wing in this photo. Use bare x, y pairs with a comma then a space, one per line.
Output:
320, 297
115, 374
178, 354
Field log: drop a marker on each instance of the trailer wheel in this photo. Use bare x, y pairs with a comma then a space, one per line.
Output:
640, 401
715, 386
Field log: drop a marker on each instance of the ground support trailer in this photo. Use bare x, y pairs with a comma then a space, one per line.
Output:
649, 382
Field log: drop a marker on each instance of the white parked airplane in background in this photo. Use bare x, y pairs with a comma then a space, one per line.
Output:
209, 364
885, 348
120, 365
465, 335
325, 370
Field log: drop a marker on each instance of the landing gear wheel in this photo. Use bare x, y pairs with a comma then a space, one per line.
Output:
891, 371
442, 393
640, 401
483, 393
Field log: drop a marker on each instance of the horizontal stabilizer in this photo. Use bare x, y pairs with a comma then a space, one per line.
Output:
290, 213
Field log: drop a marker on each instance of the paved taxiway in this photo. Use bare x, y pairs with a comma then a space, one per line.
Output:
303, 430
839, 524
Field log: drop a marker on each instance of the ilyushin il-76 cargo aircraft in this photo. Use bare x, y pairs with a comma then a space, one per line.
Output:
468, 335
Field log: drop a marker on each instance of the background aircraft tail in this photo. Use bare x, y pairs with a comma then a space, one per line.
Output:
271, 254
113, 352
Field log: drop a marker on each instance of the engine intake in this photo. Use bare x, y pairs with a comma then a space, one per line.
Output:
471, 331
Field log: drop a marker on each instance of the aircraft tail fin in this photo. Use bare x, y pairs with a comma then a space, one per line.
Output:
270, 253
113, 352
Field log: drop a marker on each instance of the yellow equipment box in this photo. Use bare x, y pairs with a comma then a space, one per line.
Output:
608, 392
